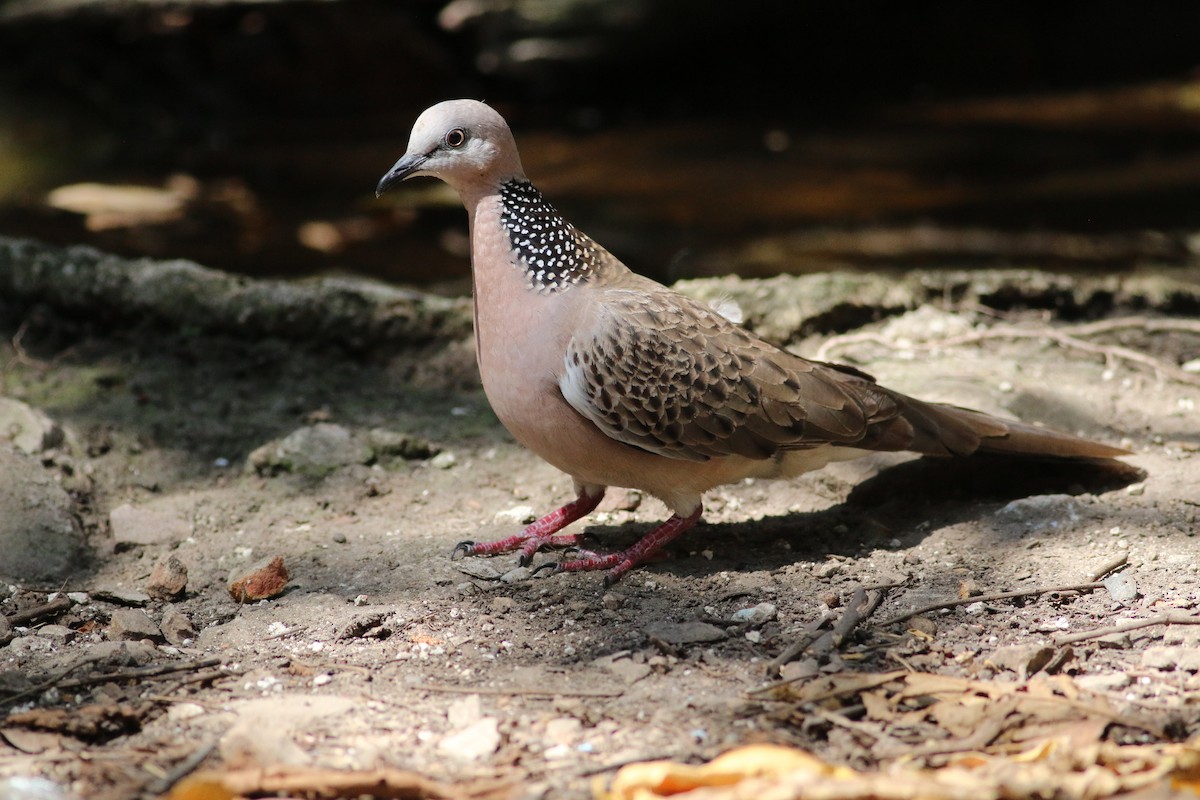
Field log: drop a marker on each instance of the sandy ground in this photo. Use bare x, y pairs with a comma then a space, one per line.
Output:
384, 652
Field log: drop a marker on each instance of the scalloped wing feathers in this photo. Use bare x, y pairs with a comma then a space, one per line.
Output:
666, 373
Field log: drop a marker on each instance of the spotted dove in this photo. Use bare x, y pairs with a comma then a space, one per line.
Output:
619, 381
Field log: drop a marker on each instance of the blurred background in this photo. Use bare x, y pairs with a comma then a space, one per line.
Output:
691, 138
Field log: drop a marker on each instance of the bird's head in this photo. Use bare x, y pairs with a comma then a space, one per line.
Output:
463, 142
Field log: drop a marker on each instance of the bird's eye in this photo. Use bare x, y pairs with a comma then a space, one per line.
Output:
456, 138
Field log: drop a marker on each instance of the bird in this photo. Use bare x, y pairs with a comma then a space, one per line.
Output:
620, 381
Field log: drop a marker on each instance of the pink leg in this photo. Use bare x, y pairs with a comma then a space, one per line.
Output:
537, 534
618, 564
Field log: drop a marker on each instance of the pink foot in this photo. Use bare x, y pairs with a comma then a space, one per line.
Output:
537, 534
618, 564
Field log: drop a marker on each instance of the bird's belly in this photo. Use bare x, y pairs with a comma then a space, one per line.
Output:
541, 420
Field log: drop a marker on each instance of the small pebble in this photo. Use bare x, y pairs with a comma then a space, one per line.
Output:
757, 615
612, 601
516, 575
168, 579
443, 460
265, 579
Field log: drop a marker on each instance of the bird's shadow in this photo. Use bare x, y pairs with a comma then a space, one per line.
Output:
891, 503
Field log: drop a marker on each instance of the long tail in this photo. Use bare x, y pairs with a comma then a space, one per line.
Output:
944, 430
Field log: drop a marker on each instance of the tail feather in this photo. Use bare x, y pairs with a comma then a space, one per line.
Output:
945, 430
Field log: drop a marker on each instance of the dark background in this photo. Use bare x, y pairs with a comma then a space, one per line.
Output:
689, 137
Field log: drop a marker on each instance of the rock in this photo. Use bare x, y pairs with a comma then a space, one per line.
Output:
6, 631
39, 535
123, 654
1111, 682
14, 682
759, 614
1122, 587
27, 787
1114, 641
1041, 512
465, 711
477, 568
176, 627
685, 632
1022, 659
628, 670
516, 575
517, 515
314, 450
28, 428
123, 597
387, 443
474, 742
1185, 659
563, 730
168, 579
131, 624
925, 323
264, 730
147, 525
443, 460
827, 569
264, 579
59, 634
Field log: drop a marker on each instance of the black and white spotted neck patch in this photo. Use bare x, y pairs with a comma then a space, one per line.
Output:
554, 254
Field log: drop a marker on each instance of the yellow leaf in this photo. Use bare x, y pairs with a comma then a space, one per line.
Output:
655, 779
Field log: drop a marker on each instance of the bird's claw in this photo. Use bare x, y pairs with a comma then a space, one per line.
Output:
553, 566
461, 549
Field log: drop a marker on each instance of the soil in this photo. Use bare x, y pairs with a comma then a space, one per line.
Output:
383, 651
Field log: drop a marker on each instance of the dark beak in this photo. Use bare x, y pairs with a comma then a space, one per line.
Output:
401, 170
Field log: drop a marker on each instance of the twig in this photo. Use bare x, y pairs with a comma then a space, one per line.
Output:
988, 598
105, 677
183, 769
135, 673
50, 683
22, 356
1068, 338
55, 606
493, 690
1125, 627
806, 637
1145, 323
1110, 567
862, 604
837, 691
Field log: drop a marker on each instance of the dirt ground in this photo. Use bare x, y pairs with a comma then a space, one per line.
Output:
383, 652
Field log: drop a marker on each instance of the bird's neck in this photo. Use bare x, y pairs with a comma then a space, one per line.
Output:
551, 254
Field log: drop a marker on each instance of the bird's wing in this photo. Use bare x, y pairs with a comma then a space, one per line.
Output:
666, 373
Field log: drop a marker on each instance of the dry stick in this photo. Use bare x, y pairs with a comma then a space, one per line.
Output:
1111, 566
1110, 352
862, 604
1145, 323
807, 637
120, 675
987, 598
491, 690
1125, 627
183, 769
55, 606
